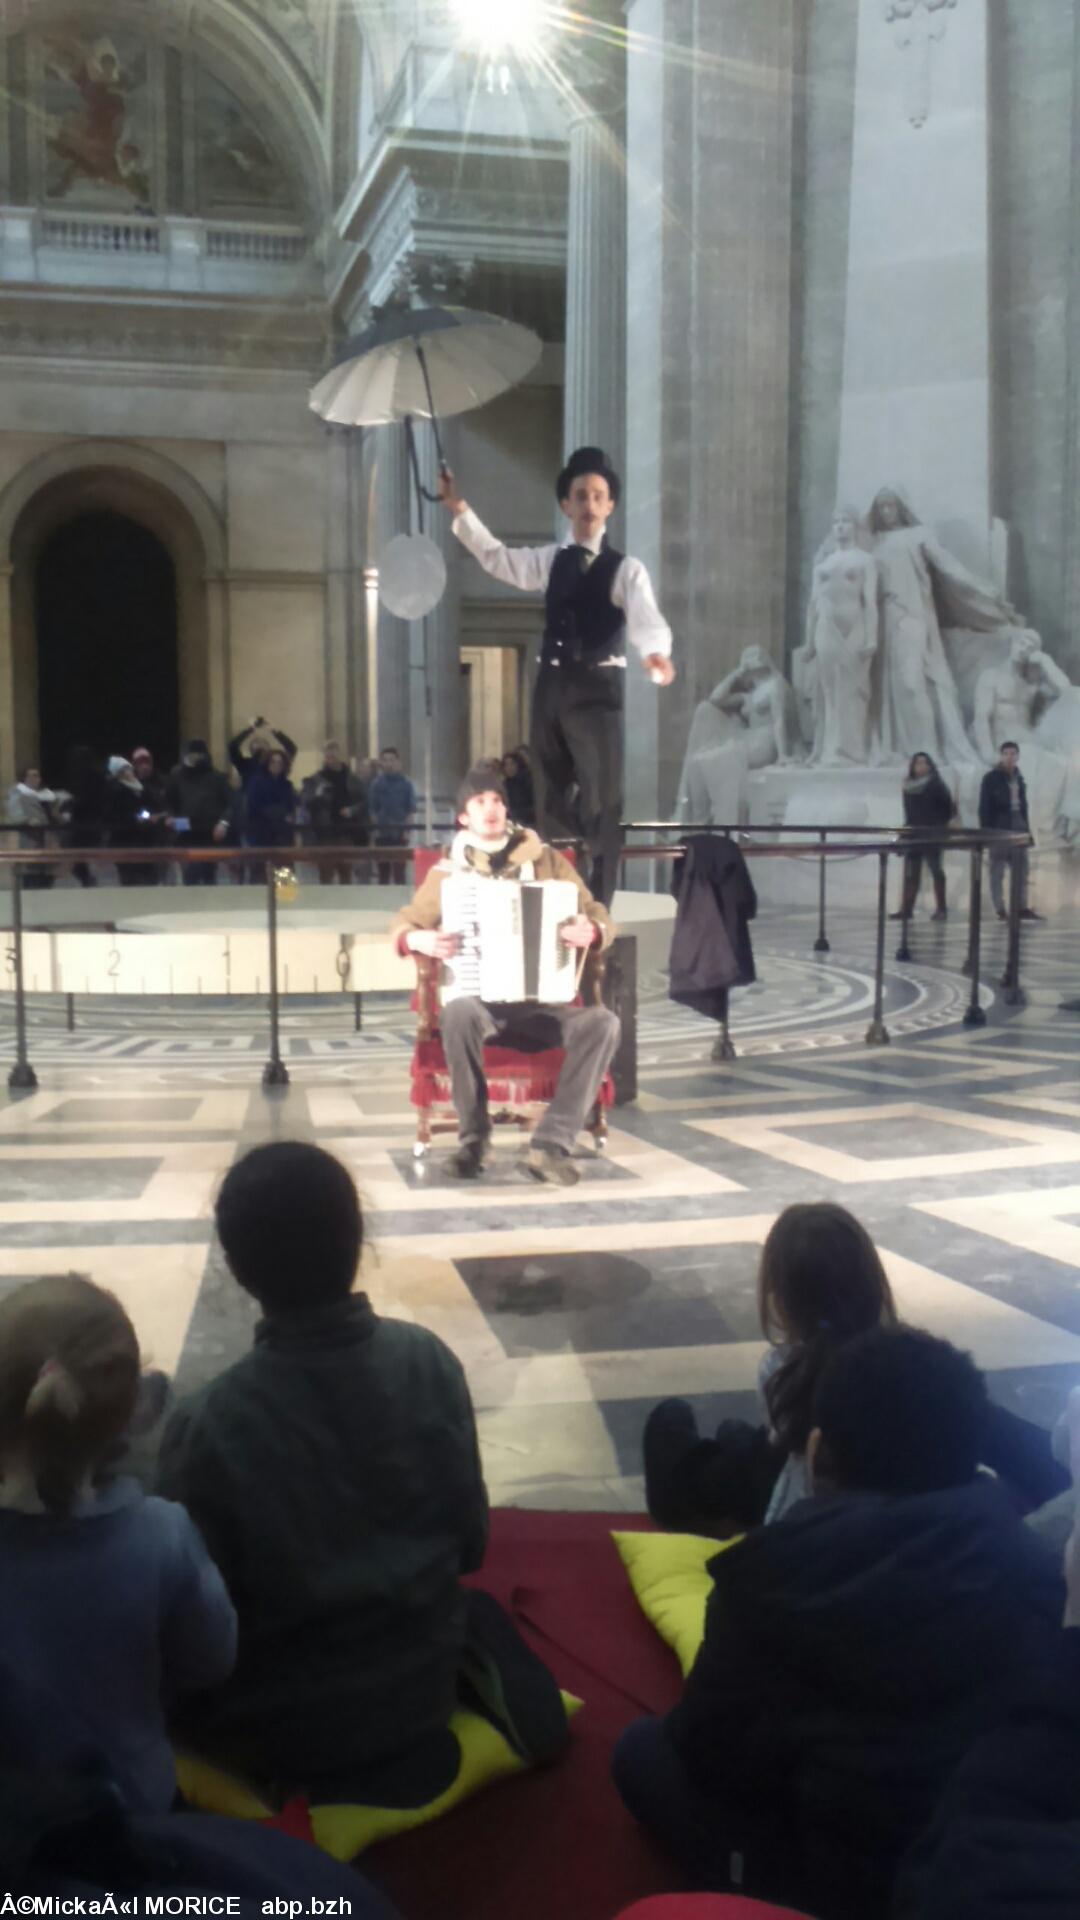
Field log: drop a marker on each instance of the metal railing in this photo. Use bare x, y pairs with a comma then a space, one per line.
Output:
275, 1073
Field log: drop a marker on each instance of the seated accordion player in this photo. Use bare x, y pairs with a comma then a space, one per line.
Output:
510, 945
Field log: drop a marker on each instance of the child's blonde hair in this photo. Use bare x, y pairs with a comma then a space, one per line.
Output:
69, 1377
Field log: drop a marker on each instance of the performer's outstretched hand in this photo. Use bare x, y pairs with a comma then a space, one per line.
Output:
448, 493
436, 944
659, 668
578, 932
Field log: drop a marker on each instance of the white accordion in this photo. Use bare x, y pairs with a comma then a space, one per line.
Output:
510, 945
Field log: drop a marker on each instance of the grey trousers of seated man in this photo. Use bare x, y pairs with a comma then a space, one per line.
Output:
589, 1035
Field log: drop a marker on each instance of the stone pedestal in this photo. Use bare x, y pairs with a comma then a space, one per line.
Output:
916, 397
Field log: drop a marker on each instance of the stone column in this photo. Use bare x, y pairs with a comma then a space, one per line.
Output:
391, 517
594, 405
709, 139
916, 400
441, 661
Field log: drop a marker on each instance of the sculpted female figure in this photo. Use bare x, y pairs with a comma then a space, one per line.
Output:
923, 586
747, 722
837, 660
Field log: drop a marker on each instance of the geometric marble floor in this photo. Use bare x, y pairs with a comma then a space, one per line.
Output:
573, 1311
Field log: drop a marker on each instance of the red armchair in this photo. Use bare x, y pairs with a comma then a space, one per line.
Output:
518, 1083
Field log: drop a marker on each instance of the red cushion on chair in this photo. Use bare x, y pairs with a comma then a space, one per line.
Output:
514, 1079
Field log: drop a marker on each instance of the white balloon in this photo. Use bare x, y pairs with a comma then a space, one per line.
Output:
412, 576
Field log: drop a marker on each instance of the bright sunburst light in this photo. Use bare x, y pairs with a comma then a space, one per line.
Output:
501, 26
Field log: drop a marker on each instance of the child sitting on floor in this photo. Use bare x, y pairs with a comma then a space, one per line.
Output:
335, 1473
820, 1283
108, 1600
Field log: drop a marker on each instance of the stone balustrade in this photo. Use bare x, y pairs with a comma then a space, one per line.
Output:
141, 252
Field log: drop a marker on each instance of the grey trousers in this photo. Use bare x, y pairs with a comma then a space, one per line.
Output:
999, 867
590, 1036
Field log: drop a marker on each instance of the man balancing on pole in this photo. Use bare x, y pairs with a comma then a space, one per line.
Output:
595, 597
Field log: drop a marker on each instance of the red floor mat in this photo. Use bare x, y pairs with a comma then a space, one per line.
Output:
553, 1845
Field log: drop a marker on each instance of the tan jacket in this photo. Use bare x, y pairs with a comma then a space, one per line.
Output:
526, 850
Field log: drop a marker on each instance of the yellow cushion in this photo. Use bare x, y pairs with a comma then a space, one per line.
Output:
345, 1831
668, 1572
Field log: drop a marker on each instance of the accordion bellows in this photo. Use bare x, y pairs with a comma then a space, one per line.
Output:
509, 930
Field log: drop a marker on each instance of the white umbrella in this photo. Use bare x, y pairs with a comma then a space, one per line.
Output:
423, 362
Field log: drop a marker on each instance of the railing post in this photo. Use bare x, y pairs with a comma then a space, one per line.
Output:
1014, 995
877, 1033
275, 1072
821, 944
22, 1074
974, 1015
903, 951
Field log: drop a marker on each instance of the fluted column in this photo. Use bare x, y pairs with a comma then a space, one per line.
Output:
594, 406
442, 662
709, 276
390, 696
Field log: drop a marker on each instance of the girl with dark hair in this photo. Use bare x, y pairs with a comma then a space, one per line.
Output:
820, 1283
108, 1600
928, 809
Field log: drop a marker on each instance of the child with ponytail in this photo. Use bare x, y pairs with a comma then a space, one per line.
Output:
109, 1603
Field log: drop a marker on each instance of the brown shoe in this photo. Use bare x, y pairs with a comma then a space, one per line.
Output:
549, 1165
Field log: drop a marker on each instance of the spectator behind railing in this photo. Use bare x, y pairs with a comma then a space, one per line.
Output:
108, 1600
198, 796
271, 804
518, 781
392, 802
87, 811
335, 806
32, 804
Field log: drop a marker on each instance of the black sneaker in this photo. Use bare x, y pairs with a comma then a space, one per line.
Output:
510, 1684
469, 1160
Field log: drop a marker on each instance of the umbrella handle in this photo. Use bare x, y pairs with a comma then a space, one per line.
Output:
422, 492
431, 412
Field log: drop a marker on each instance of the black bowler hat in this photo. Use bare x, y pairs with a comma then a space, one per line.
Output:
587, 460
483, 778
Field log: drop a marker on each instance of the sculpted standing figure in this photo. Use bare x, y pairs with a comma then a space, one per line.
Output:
923, 587
836, 663
1027, 698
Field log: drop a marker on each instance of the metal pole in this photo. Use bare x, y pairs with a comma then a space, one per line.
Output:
974, 1016
821, 944
275, 1072
1014, 995
903, 951
22, 1074
877, 1033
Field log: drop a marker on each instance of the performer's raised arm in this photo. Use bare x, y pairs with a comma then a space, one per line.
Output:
528, 568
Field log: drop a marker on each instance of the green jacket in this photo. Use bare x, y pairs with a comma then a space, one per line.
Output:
335, 1477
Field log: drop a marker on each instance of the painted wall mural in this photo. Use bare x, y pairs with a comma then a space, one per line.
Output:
96, 121
237, 166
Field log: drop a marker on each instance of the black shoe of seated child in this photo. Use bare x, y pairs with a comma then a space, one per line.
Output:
469, 1160
509, 1684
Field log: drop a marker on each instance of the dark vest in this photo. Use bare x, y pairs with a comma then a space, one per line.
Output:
581, 625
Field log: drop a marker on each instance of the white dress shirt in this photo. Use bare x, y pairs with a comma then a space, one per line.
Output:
530, 569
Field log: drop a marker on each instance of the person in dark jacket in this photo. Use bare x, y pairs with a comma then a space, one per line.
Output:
335, 1476
271, 804
928, 809
197, 795
1003, 808
252, 747
852, 1650
1005, 1842
87, 808
518, 781
335, 802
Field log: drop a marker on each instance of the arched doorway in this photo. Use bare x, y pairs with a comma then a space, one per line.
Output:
105, 606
